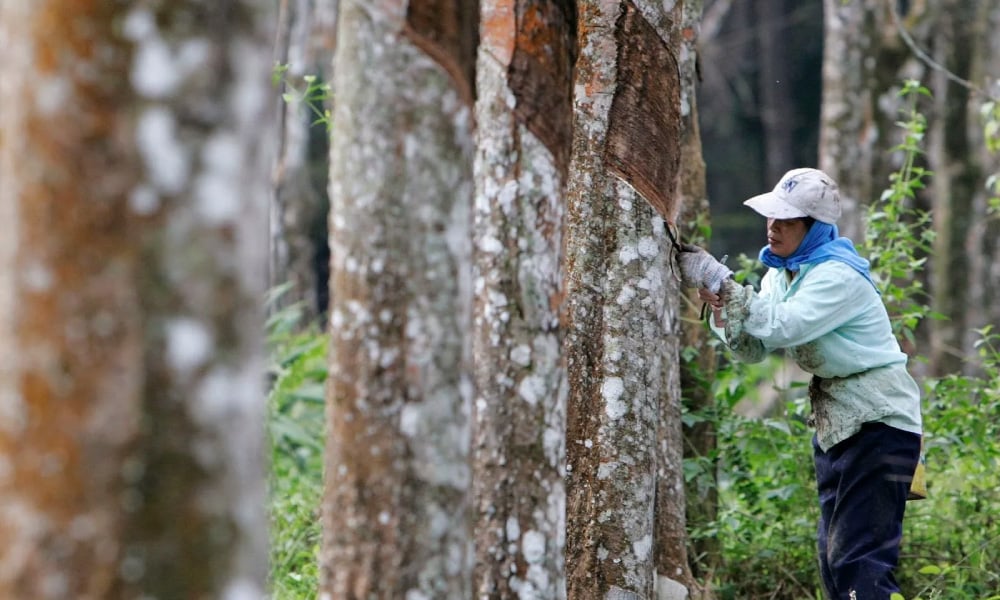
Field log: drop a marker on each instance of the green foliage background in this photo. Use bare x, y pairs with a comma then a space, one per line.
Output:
296, 433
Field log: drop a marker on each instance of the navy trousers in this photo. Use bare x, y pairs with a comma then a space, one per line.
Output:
863, 483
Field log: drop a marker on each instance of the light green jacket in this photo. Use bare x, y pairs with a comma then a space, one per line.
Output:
832, 322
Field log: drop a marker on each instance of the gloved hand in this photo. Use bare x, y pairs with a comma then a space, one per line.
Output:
700, 269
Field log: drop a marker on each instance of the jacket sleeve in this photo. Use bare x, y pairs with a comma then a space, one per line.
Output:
827, 297
744, 346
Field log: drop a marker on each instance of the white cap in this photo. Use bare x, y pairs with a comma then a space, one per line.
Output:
800, 193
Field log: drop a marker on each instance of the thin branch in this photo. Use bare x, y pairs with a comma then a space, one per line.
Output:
712, 20
923, 56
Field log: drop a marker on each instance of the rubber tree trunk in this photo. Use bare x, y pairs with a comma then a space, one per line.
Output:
621, 341
395, 510
523, 115
133, 200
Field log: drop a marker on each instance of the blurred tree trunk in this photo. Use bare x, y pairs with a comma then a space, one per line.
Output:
523, 115
963, 285
777, 103
131, 429
621, 341
395, 508
697, 367
303, 53
862, 60
984, 238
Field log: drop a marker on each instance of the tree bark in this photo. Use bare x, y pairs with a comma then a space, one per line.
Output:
395, 514
620, 344
960, 261
775, 81
862, 58
134, 201
524, 74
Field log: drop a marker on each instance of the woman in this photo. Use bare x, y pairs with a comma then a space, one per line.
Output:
818, 302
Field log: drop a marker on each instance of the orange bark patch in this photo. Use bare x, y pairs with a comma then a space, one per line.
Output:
76, 323
541, 73
498, 30
644, 129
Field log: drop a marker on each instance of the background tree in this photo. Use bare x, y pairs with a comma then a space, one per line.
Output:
862, 58
698, 356
299, 251
523, 114
622, 311
395, 510
964, 278
131, 156
759, 93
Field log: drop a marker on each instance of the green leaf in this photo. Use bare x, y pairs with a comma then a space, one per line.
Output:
930, 570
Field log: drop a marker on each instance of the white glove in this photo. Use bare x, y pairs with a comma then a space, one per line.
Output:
699, 269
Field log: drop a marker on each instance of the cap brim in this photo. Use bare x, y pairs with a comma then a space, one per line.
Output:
773, 207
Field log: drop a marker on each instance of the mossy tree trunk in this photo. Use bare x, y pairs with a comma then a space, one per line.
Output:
395, 508
622, 303
523, 115
131, 275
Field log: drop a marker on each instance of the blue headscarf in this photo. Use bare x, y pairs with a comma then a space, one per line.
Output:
821, 243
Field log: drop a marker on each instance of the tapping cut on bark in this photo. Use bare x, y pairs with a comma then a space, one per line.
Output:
644, 124
541, 73
448, 31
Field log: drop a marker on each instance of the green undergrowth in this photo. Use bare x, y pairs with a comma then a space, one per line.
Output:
295, 433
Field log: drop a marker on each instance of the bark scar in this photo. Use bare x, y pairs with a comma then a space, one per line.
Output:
644, 129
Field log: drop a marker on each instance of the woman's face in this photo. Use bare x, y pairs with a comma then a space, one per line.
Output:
785, 235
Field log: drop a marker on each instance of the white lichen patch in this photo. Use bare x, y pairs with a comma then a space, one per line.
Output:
166, 159
532, 389
626, 295
512, 529
666, 588
521, 355
533, 546
648, 247
143, 200
612, 390
37, 277
222, 395
189, 344
627, 254
409, 420
606, 469
552, 444
642, 547
217, 188
158, 70
51, 94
